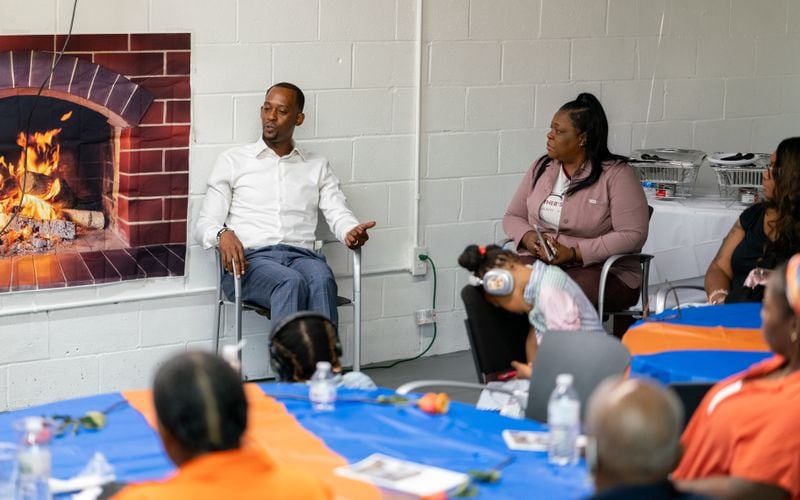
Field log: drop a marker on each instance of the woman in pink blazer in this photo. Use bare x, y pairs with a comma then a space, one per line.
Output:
588, 203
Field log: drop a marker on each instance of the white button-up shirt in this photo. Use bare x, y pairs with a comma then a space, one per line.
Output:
269, 199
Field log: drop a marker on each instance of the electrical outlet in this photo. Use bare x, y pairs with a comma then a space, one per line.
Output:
418, 266
425, 316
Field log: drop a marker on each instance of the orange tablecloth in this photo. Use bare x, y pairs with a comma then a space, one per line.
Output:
272, 428
652, 337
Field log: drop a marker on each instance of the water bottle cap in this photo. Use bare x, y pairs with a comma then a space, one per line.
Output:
323, 365
564, 379
34, 424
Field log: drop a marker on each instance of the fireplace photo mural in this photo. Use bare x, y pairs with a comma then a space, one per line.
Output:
94, 170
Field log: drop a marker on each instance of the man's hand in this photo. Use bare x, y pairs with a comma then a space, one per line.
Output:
231, 251
358, 235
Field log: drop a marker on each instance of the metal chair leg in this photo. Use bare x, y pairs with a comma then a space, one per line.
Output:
217, 322
357, 310
219, 306
237, 287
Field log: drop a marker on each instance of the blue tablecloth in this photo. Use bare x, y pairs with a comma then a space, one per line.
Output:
744, 315
463, 439
129, 444
694, 366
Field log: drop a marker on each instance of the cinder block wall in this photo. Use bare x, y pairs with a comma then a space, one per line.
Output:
715, 75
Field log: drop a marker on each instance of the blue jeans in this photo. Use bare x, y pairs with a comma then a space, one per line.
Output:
286, 279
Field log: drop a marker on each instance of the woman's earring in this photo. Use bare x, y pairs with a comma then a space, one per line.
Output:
793, 337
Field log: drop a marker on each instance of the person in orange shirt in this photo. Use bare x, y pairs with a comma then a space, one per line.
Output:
202, 414
742, 441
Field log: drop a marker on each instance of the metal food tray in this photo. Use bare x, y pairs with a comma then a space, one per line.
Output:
681, 173
666, 172
732, 178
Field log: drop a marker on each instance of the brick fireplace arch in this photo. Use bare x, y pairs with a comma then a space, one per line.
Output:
83, 82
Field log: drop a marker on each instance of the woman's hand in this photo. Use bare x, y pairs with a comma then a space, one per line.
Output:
718, 296
530, 242
562, 254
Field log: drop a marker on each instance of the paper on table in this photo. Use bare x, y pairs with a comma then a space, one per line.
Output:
533, 440
526, 440
77, 483
97, 472
401, 475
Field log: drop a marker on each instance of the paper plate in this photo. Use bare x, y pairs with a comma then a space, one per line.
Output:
717, 159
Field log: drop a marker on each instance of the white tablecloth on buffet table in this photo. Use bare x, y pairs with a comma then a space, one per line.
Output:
686, 234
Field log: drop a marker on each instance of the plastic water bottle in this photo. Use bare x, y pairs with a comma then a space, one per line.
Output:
649, 189
34, 459
322, 388
564, 420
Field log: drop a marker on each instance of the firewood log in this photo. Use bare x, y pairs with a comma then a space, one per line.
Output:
92, 219
39, 185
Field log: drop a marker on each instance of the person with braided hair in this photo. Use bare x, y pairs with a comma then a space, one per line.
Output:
298, 341
763, 235
202, 414
588, 202
742, 441
551, 300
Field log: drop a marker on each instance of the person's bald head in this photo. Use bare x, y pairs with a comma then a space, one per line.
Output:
636, 426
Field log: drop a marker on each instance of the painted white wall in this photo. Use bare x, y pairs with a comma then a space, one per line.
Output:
704, 74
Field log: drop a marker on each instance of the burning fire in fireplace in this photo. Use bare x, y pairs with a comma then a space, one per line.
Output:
39, 197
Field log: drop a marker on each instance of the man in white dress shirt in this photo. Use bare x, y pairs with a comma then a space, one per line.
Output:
261, 210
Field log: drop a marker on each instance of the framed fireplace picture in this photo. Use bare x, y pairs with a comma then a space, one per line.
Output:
94, 158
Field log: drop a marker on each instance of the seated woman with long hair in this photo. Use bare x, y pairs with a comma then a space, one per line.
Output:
742, 441
588, 202
202, 415
546, 294
765, 234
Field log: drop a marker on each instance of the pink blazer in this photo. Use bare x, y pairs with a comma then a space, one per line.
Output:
607, 218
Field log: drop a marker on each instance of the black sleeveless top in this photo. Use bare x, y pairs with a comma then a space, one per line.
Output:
748, 255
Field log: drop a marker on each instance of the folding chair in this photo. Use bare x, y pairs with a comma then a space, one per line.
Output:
240, 305
644, 262
589, 356
496, 336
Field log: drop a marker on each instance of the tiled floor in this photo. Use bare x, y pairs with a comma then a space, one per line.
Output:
74, 268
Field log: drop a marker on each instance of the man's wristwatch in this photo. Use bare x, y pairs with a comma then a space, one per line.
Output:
219, 234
